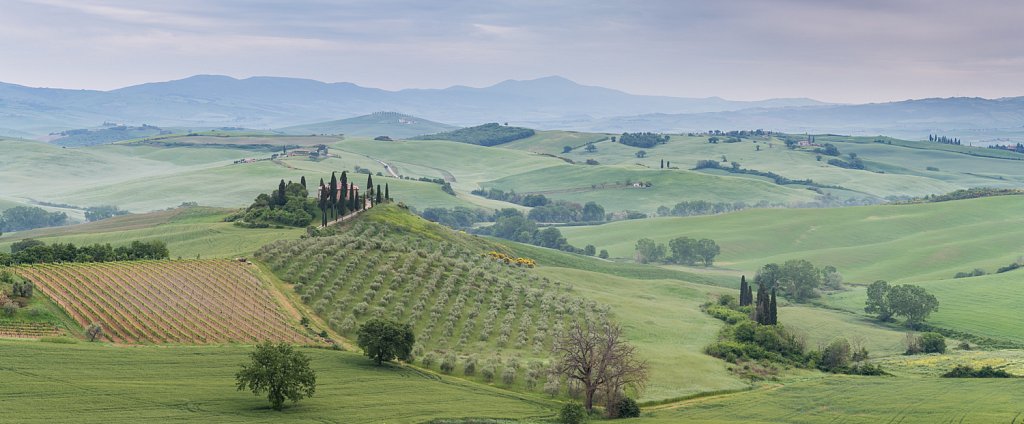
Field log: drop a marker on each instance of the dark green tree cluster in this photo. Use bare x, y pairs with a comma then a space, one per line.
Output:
20, 218
681, 250
459, 217
766, 310
967, 371
746, 292
797, 279
490, 134
943, 139
704, 207
38, 252
97, 213
511, 224
644, 140
289, 205
909, 301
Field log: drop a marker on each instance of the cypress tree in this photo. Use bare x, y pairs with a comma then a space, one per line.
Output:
342, 206
321, 201
303, 182
281, 200
387, 195
668, 164
761, 310
377, 192
663, 164
369, 182
773, 313
344, 184
743, 290
351, 196
334, 195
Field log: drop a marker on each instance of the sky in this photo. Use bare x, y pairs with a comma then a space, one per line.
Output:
831, 50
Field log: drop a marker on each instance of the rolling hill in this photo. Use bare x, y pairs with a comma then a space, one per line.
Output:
391, 124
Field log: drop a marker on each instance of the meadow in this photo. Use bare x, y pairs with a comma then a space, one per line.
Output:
102, 383
897, 243
850, 399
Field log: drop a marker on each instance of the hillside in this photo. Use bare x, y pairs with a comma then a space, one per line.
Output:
460, 299
491, 134
888, 242
104, 135
392, 124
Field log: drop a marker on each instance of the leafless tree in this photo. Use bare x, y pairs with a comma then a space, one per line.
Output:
599, 358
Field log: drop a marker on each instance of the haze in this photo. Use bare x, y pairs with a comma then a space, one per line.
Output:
835, 51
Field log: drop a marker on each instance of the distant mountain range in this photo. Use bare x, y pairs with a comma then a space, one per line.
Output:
206, 101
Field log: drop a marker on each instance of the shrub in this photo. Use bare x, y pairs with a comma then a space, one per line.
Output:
933, 343
10, 308
448, 363
429, 359
966, 371
572, 413
835, 356
626, 408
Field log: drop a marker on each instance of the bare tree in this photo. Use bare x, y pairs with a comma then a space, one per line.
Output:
597, 356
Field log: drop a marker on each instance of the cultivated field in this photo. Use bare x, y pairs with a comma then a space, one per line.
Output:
185, 301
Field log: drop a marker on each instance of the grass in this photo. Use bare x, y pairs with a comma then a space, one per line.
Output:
662, 318
611, 187
188, 232
894, 243
553, 142
821, 326
850, 399
986, 306
88, 382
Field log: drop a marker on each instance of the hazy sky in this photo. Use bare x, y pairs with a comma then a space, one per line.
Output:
843, 51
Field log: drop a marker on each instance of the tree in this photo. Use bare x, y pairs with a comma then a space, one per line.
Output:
566, 149
684, 250
773, 310
93, 331
280, 371
603, 254
743, 291
707, 249
932, 343
282, 196
600, 360
835, 356
649, 251
799, 279
589, 250
591, 148
641, 154
663, 164
911, 302
625, 408
387, 193
831, 278
593, 212
384, 340
303, 181
380, 198
876, 303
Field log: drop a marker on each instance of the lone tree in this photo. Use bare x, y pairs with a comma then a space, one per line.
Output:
597, 357
279, 370
909, 301
384, 340
94, 331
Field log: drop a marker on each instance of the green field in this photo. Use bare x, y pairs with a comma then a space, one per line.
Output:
98, 383
894, 243
847, 399
188, 232
612, 187
987, 306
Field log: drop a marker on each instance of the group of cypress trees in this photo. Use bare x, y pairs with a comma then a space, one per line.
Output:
333, 206
765, 308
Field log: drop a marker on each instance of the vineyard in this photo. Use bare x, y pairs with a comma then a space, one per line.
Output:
183, 301
472, 313
32, 330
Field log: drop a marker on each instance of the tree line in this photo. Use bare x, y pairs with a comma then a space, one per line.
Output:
21, 218
30, 251
642, 139
681, 250
490, 134
547, 210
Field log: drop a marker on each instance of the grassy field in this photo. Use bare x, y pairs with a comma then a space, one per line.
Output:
848, 399
94, 383
554, 142
895, 243
188, 232
611, 187
820, 326
663, 319
986, 306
